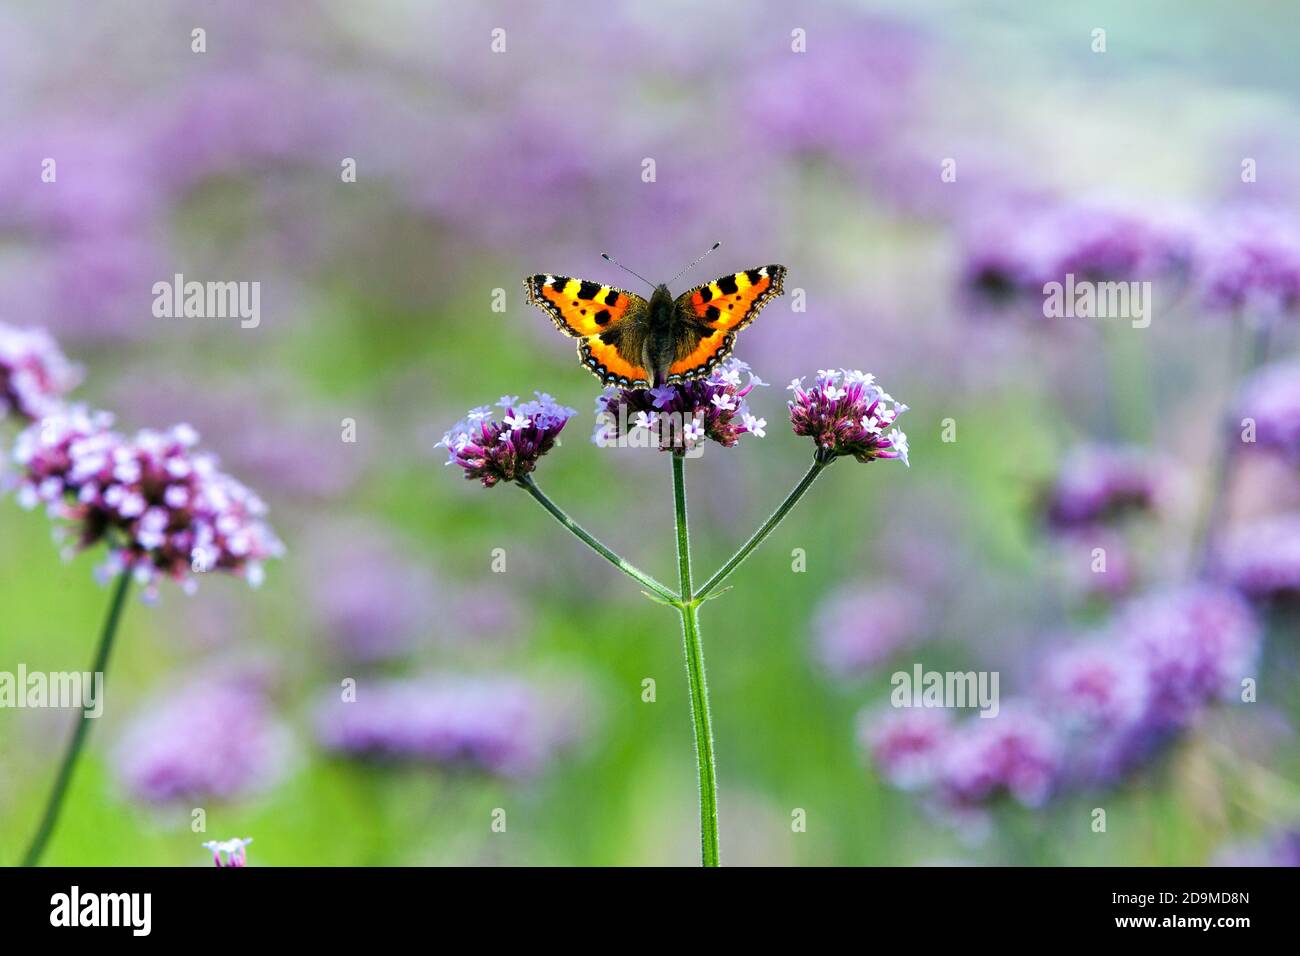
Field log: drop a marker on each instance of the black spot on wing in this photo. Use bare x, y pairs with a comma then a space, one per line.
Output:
559, 282
753, 275
706, 294
612, 337
727, 285
601, 317
588, 290
612, 298
711, 314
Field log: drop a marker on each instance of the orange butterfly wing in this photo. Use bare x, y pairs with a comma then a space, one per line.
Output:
578, 307
730, 303
603, 317
713, 313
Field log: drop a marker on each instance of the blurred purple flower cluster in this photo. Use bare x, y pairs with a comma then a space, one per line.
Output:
492, 451
846, 413
34, 375
1233, 260
496, 725
212, 738
681, 417
1012, 249
164, 508
859, 628
1281, 848
1099, 708
1271, 399
1099, 485
1261, 558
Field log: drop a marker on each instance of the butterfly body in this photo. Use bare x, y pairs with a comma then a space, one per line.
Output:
625, 340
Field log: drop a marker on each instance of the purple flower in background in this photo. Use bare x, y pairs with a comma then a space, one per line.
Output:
165, 509
1094, 686
1016, 753
211, 739
492, 451
1250, 262
1277, 849
1011, 252
1262, 558
34, 375
906, 745
1101, 484
229, 852
1271, 397
497, 725
1196, 644
858, 629
845, 413
681, 417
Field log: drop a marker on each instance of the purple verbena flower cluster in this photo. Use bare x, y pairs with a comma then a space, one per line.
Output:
681, 417
1101, 484
34, 374
1262, 558
1271, 398
492, 450
229, 852
500, 726
1250, 263
1101, 707
856, 630
846, 413
211, 739
1010, 254
164, 509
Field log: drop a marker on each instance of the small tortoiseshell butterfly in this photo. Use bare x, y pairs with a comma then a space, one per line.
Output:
625, 340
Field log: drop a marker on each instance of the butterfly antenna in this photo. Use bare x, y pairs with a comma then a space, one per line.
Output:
608, 258
694, 264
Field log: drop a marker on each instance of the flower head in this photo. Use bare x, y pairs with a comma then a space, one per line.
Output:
1271, 398
1098, 485
906, 745
846, 413
208, 740
164, 508
1250, 261
857, 630
1262, 558
496, 725
1195, 644
492, 450
34, 375
229, 852
681, 417
1017, 753
1277, 848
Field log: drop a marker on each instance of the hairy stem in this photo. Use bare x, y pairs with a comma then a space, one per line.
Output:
55, 803
581, 533
777, 516
694, 649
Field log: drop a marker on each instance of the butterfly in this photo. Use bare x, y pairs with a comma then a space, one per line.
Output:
625, 340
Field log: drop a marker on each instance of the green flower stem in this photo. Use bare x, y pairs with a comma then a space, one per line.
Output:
700, 719
55, 803
777, 516
627, 568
